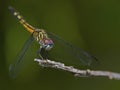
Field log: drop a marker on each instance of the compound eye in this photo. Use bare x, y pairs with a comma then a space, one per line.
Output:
48, 42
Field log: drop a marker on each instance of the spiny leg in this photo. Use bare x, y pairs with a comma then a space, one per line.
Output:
39, 53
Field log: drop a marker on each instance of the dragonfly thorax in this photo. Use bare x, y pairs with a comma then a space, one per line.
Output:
42, 38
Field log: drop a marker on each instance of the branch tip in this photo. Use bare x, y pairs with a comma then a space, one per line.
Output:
77, 72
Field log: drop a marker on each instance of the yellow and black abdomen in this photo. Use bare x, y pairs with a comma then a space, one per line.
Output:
28, 27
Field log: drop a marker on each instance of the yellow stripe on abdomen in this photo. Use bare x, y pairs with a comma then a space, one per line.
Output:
24, 23
28, 27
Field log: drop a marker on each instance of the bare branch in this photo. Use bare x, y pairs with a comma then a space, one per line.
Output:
77, 72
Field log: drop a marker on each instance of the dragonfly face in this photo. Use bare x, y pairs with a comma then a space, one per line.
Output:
48, 44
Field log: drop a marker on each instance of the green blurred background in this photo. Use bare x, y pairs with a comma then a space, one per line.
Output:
93, 25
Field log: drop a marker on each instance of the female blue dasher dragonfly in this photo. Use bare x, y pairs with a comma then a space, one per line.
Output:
50, 46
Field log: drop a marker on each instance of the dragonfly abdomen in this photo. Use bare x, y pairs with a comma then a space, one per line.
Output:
21, 20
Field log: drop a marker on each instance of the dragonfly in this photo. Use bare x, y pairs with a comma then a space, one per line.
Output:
50, 47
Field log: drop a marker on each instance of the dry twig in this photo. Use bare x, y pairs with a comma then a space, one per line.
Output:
77, 72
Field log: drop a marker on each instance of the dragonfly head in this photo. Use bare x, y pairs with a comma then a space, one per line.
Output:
43, 39
47, 44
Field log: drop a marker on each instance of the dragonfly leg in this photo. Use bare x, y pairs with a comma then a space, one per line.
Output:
41, 56
39, 53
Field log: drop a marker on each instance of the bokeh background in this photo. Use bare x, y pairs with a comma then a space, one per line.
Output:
93, 25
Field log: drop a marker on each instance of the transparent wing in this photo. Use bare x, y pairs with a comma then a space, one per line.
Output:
14, 68
68, 53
